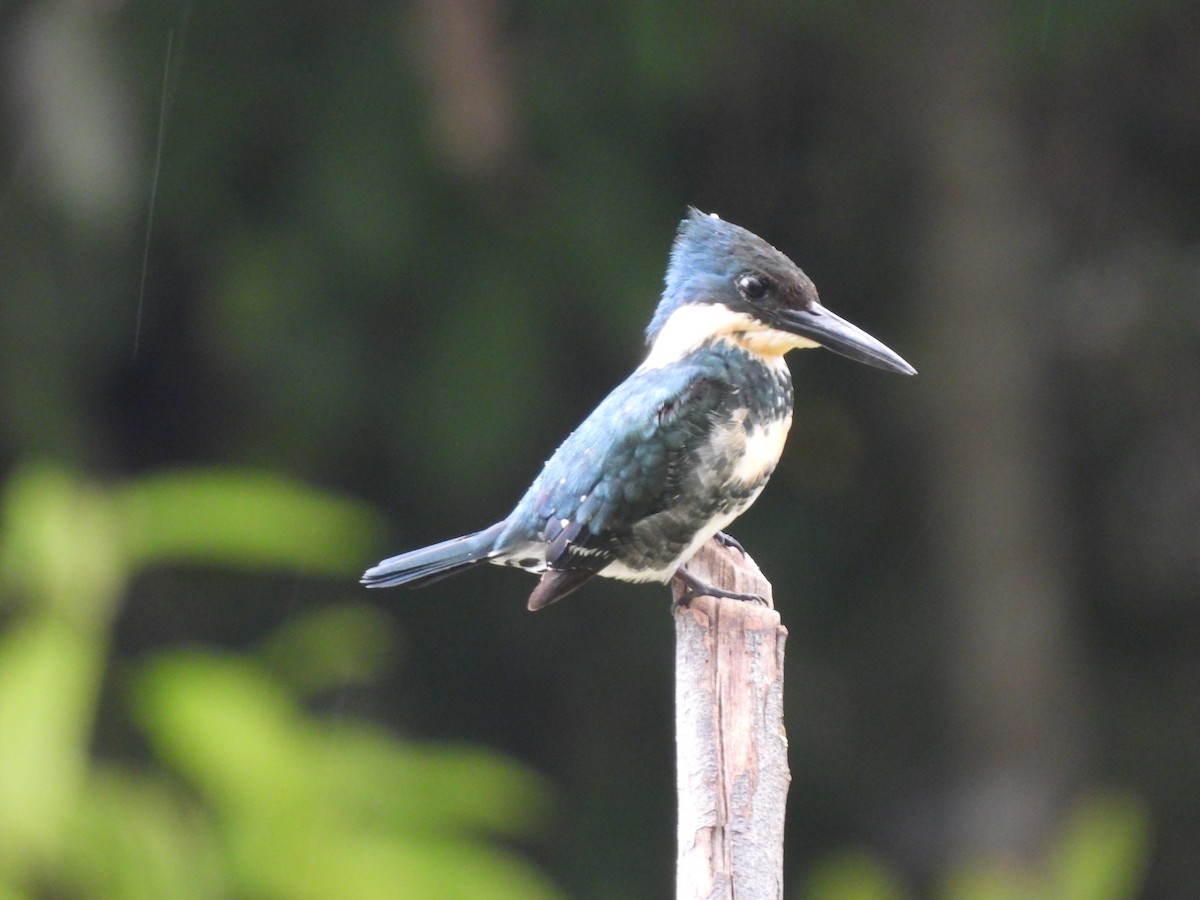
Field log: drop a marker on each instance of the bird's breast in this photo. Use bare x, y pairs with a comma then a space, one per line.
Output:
744, 453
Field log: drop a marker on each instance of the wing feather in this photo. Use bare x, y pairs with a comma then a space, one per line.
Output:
620, 466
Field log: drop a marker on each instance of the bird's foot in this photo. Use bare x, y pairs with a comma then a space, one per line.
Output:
726, 540
697, 588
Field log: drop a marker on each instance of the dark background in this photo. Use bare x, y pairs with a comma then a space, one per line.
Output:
395, 252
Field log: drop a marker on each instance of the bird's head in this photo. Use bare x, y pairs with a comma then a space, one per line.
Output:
725, 283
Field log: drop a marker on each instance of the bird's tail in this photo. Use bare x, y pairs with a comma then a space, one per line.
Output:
418, 567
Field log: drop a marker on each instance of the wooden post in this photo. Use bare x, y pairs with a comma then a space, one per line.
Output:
731, 746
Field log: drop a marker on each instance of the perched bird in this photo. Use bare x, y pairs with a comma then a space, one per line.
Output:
684, 445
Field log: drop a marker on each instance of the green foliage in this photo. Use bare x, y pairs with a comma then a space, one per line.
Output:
247, 793
852, 875
135, 835
1104, 849
334, 647
241, 519
48, 683
325, 808
1100, 854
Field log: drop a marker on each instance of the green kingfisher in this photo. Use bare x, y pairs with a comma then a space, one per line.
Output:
684, 445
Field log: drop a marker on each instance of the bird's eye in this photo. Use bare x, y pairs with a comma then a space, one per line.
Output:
753, 287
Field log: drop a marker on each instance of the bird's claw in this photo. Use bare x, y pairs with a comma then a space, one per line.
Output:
726, 540
697, 588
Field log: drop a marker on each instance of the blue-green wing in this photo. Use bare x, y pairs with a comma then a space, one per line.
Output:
621, 465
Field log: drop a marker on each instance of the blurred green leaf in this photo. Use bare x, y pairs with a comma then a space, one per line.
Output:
365, 866
290, 806
135, 838
60, 543
319, 809
433, 789
245, 520
1100, 854
852, 875
49, 674
228, 728
1104, 849
993, 880
333, 647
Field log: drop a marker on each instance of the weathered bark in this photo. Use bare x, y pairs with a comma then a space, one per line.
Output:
732, 749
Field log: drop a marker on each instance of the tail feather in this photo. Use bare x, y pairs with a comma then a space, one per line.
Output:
419, 567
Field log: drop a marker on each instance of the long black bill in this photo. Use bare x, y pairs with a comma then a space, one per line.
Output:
834, 333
